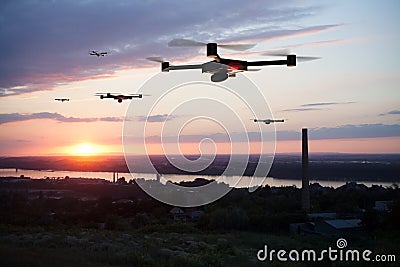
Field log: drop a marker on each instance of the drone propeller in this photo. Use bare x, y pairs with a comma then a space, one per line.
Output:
107, 93
186, 42
156, 59
286, 52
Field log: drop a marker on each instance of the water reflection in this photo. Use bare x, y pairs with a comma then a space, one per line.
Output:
244, 182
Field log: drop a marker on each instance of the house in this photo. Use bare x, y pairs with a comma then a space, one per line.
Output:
302, 228
322, 215
382, 206
352, 186
337, 227
179, 214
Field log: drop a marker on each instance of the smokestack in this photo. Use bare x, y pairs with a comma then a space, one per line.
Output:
305, 187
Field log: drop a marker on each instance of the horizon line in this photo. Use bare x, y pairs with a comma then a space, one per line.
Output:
157, 155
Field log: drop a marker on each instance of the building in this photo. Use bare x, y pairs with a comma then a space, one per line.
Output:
382, 206
337, 227
190, 214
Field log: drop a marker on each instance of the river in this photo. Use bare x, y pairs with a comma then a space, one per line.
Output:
243, 181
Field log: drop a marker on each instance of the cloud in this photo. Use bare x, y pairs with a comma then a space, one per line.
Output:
340, 132
156, 118
345, 132
16, 117
216, 137
269, 35
315, 44
392, 112
46, 43
112, 119
326, 104
315, 106
301, 109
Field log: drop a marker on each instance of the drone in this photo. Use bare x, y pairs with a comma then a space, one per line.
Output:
268, 121
97, 53
223, 68
61, 99
118, 97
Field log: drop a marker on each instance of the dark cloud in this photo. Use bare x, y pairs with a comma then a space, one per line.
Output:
112, 119
45, 43
326, 104
156, 118
392, 112
340, 132
16, 117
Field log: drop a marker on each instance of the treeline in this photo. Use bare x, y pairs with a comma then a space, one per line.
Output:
121, 208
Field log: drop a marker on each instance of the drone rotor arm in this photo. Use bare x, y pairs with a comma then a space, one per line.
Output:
266, 63
185, 67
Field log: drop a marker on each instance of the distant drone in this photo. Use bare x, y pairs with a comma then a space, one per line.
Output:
61, 99
118, 97
222, 68
268, 121
97, 53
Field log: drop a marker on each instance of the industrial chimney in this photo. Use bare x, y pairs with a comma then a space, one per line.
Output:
305, 187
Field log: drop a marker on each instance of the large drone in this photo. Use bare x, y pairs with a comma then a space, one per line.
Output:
268, 121
222, 68
61, 99
118, 97
97, 53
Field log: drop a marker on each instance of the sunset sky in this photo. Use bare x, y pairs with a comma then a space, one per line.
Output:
349, 99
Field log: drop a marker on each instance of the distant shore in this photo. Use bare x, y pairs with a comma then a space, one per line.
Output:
334, 167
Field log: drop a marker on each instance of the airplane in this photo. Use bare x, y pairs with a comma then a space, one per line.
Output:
223, 68
118, 97
97, 53
268, 121
61, 99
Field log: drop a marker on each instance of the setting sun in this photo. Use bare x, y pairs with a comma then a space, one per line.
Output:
85, 149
